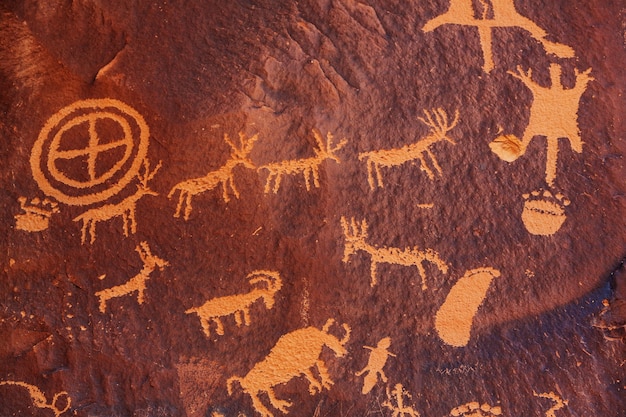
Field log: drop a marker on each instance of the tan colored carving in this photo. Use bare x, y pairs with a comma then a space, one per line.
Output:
86, 115
240, 155
125, 209
39, 399
461, 12
308, 167
397, 396
474, 409
239, 305
36, 214
295, 354
437, 120
543, 212
136, 283
355, 235
375, 365
454, 319
559, 403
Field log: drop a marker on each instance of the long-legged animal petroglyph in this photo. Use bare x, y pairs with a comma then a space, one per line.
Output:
437, 120
39, 399
136, 283
355, 235
125, 209
558, 402
239, 305
399, 409
295, 354
240, 155
308, 167
375, 364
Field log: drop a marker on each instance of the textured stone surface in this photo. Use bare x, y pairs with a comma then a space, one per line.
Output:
552, 321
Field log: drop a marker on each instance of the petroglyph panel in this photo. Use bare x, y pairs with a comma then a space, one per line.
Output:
60, 399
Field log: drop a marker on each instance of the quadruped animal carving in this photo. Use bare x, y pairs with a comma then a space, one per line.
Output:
355, 235
397, 396
224, 176
239, 305
437, 120
136, 283
39, 399
375, 365
124, 209
295, 354
309, 167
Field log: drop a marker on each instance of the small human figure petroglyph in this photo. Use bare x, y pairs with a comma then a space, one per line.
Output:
125, 209
36, 214
558, 402
461, 12
295, 354
39, 399
474, 409
309, 167
240, 155
355, 235
136, 283
238, 305
437, 120
375, 364
398, 395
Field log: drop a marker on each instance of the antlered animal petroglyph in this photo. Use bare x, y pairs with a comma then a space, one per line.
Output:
397, 396
355, 235
437, 120
295, 354
239, 305
224, 176
125, 209
559, 403
39, 399
36, 214
461, 12
136, 283
308, 167
474, 409
375, 364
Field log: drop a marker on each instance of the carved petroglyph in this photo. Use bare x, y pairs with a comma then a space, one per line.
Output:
395, 402
136, 283
461, 12
108, 129
375, 364
239, 305
308, 167
559, 403
454, 318
544, 212
437, 120
124, 209
355, 235
35, 215
295, 354
474, 409
39, 399
240, 155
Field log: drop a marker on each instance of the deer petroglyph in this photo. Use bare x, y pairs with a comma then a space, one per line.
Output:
39, 399
355, 235
295, 354
437, 120
239, 305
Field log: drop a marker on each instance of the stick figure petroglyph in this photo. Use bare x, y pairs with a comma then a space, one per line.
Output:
558, 402
240, 155
437, 120
398, 395
375, 364
355, 235
39, 399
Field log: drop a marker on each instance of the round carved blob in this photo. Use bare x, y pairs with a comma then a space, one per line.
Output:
89, 151
544, 213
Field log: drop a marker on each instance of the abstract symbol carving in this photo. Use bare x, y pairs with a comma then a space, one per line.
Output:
397, 396
136, 283
224, 176
375, 364
437, 120
124, 209
39, 399
309, 167
474, 409
239, 305
461, 12
543, 212
558, 402
107, 136
455, 316
355, 235
36, 214
294, 354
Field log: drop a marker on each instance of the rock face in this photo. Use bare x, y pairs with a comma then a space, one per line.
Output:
313, 208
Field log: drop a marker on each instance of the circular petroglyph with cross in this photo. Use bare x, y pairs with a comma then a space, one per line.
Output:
89, 151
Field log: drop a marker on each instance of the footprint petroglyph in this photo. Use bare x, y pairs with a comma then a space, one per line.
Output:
396, 399
375, 364
268, 284
454, 318
39, 399
475, 409
544, 212
355, 234
35, 216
